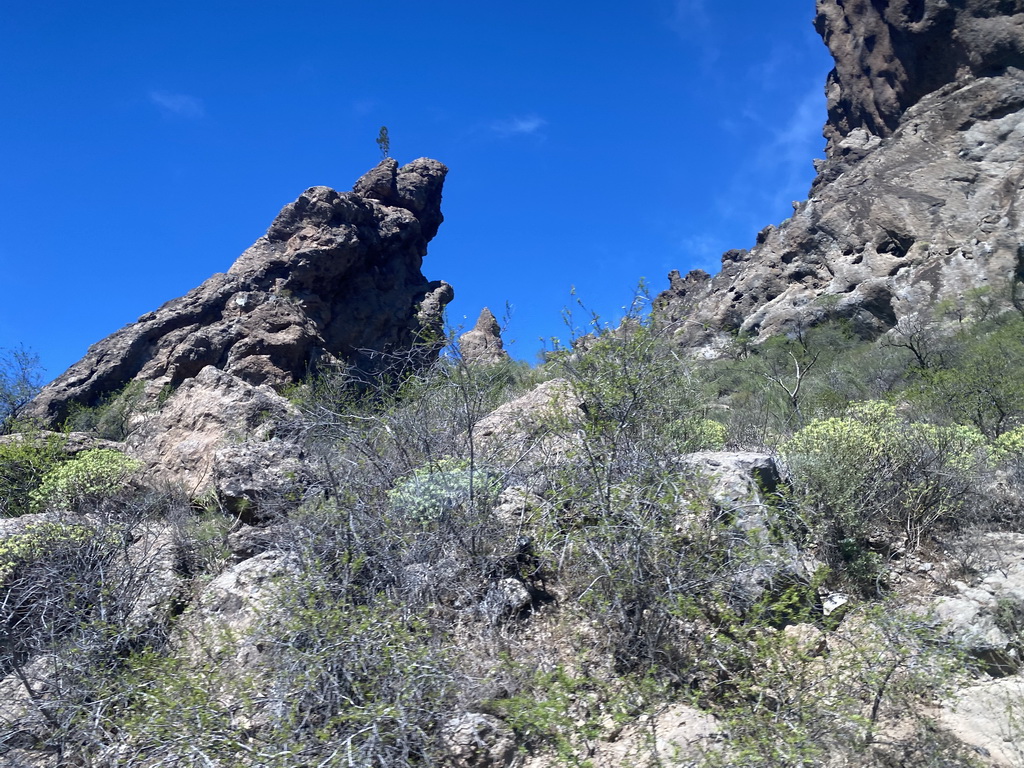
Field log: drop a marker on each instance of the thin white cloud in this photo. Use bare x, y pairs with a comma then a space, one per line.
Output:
690, 14
518, 126
780, 169
177, 104
799, 139
691, 22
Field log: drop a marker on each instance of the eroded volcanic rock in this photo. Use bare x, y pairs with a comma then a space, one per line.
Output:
482, 344
337, 275
919, 197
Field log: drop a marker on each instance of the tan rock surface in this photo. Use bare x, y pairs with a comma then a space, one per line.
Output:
482, 344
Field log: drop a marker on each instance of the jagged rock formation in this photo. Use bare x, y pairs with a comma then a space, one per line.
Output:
482, 344
918, 198
336, 275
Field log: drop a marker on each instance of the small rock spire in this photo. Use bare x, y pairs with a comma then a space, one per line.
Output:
483, 345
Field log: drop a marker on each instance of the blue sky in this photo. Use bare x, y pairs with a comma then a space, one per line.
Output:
144, 146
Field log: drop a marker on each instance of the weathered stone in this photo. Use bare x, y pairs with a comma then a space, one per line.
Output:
989, 716
917, 201
336, 275
216, 433
474, 740
249, 540
980, 615
230, 607
738, 482
506, 598
532, 425
482, 345
891, 54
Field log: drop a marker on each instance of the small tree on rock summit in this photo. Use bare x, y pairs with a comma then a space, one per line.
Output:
384, 143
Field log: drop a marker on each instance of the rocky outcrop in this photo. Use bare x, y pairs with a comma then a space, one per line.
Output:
219, 433
528, 427
987, 716
482, 344
473, 740
889, 54
918, 199
986, 616
337, 275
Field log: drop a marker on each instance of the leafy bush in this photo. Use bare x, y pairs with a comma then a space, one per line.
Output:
89, 477
871, 474
432, 491
982, 382
1009, 446
20, 380
787, 700
116, 416
34, 543
25, 459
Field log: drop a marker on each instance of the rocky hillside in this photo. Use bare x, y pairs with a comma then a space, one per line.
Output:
917, 201
268, 525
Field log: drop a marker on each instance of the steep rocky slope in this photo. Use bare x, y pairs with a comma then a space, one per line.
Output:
337, 275
918, 199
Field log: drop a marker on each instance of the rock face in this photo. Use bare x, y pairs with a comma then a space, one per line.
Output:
482, 345
986, 617
918, 200
337, 275
219, 433
890, 54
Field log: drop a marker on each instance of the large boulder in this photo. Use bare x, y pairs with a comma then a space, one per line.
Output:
989, 717
219, 433
917, 201
533, 425
337, 275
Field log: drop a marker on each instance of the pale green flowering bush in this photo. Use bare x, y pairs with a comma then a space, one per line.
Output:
698, 434
1009, 446
89, 477
431, 491
34, 542
870, 474
24, 461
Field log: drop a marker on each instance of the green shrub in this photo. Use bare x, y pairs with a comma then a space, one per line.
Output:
20, 380
786, 700
871, 474
563, 713
983, 382
1009, 446
433, 491
34, 543
356, 670
25, 459
115, 417
89, 477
